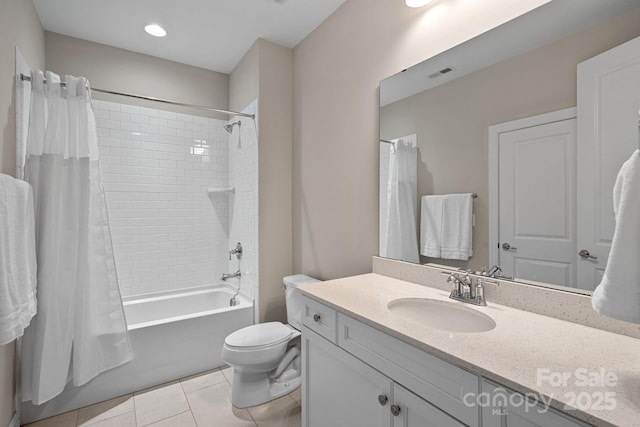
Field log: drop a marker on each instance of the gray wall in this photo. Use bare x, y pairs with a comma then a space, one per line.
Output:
451, 120
337, 69
266, 73
121, 70
20, 27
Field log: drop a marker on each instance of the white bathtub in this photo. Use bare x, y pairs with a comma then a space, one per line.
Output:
173, 334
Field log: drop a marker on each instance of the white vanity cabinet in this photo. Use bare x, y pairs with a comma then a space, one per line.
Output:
340, 389
356, 375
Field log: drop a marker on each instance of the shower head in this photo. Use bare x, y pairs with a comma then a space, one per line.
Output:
229, 127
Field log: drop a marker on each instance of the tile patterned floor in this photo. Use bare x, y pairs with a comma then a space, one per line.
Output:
201, 400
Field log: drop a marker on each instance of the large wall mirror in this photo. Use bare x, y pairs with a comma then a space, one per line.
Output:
516, 138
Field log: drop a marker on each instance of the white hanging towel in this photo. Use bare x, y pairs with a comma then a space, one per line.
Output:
446, 226
618, 294
17, 258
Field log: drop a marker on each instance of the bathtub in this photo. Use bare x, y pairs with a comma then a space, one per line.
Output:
174, 334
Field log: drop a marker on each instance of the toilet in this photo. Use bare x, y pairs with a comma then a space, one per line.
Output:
266, 357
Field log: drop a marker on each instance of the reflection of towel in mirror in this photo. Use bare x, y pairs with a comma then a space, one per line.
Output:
446, 226
17, 258
618, 295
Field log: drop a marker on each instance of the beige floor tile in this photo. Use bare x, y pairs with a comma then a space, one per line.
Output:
158, 403
68, 419
297, 395
211, 407
228, 373
202, 380
90, 415
124, 420
282, 412
183, 420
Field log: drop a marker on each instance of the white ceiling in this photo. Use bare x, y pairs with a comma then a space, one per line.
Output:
211, 34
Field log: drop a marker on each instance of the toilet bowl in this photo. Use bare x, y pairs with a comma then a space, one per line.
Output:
266, 357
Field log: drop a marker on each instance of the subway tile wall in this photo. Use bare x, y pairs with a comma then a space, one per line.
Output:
156, 168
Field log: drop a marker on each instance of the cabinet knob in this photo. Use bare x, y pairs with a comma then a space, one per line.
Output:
395, 410
382, 399
316, 317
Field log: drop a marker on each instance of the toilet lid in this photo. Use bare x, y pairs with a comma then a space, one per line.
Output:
260, 335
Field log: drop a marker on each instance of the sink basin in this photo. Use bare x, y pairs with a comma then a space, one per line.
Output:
443, 315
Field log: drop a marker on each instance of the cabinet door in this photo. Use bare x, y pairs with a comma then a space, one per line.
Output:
340, 390
506, 408
414, 412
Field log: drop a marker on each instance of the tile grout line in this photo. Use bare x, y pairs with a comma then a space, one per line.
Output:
249, 412
135, 413
193, 417
170, 416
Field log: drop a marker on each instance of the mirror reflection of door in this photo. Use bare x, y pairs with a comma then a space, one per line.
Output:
537, 197
608, 104
551, 244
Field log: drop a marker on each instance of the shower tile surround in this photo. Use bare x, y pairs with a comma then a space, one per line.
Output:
156, 168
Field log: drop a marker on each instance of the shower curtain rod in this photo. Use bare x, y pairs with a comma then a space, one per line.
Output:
151, 98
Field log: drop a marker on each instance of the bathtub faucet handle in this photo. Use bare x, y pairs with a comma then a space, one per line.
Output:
237, 251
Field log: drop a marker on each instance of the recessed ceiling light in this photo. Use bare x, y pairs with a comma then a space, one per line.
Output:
417, 3
155, 30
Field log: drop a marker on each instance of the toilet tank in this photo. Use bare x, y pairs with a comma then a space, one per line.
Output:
294, 298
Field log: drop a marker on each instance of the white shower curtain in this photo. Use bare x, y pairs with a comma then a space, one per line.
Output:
80, 329
400, 231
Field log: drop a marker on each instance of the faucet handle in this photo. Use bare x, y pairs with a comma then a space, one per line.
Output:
480, 294
455, 284
237, 251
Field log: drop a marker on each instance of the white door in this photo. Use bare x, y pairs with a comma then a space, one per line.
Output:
608, 104
537, 202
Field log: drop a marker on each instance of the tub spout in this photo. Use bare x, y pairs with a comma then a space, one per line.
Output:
226, 276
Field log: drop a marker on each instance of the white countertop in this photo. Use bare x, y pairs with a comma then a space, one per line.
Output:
512, 353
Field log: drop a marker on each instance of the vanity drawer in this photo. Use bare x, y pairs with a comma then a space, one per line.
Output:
438, 382
319, 318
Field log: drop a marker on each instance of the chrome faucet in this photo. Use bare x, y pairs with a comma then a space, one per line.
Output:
226, 276
237, 251
463, 289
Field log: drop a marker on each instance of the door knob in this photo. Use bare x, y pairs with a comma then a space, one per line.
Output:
382, 399
585, 254
395, 410
508, 247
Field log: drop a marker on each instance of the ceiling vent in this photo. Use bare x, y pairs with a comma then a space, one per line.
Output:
441, 72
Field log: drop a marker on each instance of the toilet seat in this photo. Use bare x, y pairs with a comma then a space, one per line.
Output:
262, 335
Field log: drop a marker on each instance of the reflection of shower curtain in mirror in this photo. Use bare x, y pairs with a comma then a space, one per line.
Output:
79, 330
399, 232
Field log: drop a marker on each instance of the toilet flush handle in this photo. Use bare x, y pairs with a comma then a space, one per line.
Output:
316, 317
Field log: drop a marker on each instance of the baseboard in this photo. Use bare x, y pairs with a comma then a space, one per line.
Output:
15, 421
